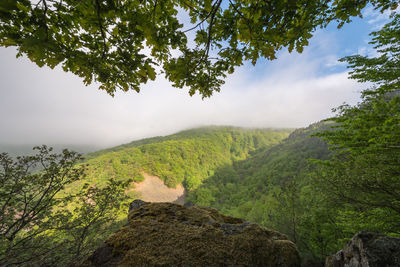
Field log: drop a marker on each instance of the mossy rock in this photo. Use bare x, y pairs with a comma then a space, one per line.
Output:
166, 234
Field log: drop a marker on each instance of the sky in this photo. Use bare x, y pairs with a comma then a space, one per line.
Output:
44, 106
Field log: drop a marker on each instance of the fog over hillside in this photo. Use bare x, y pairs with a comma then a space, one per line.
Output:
54, 107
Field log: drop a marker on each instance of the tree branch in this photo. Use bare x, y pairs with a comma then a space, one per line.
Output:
154, 13
45, 19
212, 12
103, 35
209, 38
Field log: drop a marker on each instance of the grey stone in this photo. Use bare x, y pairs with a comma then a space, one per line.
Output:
232, 229
367, 249
137, 203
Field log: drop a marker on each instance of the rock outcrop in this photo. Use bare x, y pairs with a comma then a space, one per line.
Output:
166, 234
367, 250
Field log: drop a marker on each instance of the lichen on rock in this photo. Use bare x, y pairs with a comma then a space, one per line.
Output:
166, 234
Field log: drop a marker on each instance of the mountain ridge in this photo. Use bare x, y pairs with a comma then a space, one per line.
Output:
187, 157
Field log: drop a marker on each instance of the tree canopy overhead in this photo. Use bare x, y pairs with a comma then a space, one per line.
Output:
121, 44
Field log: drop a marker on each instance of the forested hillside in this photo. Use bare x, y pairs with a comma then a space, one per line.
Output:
86, 199
187, 158
264, 176
273, 188
233, 187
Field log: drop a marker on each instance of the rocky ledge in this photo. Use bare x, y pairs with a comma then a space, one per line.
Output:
166, 234
367, 250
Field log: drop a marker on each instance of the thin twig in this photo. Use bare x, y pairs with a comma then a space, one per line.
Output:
154, 13
45, 19
209, 38
203, 20
103, 35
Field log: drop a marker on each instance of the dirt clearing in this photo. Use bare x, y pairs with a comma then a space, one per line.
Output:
153, 189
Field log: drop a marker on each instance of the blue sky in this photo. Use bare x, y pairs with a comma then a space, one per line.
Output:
43, 106
336, 43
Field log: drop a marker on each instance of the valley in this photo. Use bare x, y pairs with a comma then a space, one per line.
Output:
260, 175
270, 177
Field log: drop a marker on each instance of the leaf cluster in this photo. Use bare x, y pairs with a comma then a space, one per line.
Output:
122, 44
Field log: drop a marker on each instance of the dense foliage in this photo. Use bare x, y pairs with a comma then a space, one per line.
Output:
364, 174
41, 224
273, 188
122, 44
27, 199
187, 158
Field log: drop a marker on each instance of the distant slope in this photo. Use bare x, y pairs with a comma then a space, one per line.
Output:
251, 178
271, 187
195, 133
186, 158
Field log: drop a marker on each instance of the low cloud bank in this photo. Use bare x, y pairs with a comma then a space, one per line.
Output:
39, 105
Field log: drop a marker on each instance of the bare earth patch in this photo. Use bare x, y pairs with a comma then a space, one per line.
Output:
153, 189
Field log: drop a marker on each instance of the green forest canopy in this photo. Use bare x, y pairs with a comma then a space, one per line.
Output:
187, 158
121, 44
273, 188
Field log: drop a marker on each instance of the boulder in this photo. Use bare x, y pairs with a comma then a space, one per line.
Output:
166, 234
367, 250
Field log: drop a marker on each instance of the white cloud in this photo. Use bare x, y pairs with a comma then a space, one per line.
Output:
378, 19
39, 105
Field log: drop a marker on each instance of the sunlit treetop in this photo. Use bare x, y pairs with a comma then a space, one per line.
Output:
383, 69
121, 44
